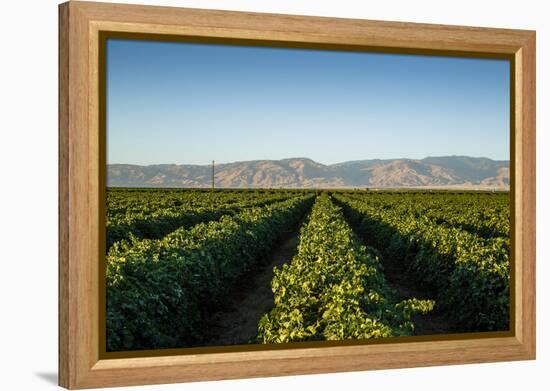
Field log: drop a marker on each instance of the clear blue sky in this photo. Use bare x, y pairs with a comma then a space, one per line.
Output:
192, 103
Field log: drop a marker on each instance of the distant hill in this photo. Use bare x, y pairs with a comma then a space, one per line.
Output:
445, 171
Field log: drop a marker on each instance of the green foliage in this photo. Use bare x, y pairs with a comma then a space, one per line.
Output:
483, 214
468, 272
334, 289
175, 254
160, 291
153, 213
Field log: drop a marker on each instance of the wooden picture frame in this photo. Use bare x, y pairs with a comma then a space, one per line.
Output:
81, 24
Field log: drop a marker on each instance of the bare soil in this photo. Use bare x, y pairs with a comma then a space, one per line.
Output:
249, 300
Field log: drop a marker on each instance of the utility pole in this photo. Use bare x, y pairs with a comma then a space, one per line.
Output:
212, 174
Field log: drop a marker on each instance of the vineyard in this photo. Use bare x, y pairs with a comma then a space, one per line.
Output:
178, 259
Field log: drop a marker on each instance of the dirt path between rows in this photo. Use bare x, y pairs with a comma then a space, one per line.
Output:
251, 298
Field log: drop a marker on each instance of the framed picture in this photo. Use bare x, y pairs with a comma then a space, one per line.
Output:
246, 195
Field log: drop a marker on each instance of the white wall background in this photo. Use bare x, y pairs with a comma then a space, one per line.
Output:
28, 197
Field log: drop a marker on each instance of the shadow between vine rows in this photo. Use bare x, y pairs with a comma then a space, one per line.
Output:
403, 282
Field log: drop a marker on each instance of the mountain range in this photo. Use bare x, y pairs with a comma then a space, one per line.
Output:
430, 172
